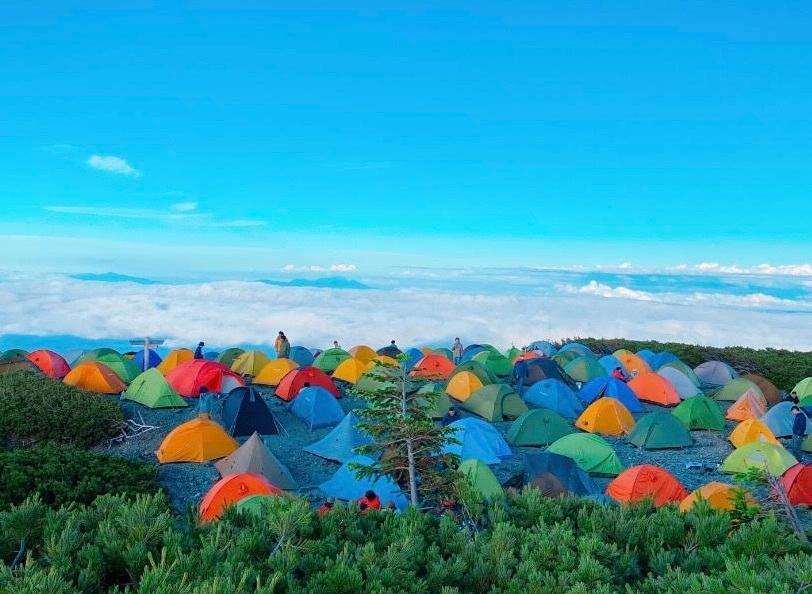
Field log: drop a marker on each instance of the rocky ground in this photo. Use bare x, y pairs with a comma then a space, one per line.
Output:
187, 483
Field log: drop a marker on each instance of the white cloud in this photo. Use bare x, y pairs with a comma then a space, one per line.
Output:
763, 269
601, 290
184, 206
112, 164
179, 212
331, 268
227, 313
625, 266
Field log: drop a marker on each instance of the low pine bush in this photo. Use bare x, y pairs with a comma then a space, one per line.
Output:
34, 408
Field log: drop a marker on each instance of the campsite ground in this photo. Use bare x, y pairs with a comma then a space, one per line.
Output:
187, 483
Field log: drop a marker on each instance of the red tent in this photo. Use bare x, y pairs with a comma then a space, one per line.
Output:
50, 363
231, 489
797, 480
188, 378
646, 481
296, 379
433, 367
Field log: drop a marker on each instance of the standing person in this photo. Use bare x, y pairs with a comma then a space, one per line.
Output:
282, 346
335, 345
798, 431
199, 350
456, 350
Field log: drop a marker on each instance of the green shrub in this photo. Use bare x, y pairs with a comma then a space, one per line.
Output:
532, 544
64, 474
783, 368
35, 408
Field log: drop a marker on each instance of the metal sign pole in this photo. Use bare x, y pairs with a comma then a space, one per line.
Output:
147, 343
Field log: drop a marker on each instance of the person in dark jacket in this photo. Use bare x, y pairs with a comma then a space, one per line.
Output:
449, 417
798, 431
199, 350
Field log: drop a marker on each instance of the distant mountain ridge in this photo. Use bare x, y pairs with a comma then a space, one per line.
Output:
112, 277
331, 282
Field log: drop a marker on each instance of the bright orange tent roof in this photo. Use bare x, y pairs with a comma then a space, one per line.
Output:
797, 481
633, 363
462, 385
363, 353
351, 369
198, 440
187, 379
50, 363
93, 376
606, 416
751, 430
718, 495
175, 358
654, 388
748, 406
230, 489
525, 356
274, 371
433, 367
646, 481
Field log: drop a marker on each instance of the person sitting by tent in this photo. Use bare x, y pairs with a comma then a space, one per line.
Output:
456, 350
325, 507
619, 375
798, 431
199, 350
282, 346
793, 397
205, 400
450, 417
370, 500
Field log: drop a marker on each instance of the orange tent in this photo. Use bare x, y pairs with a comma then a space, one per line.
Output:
462, 385
797, 481
351, 369
175, 358
274, 371
634, 364
433, 367
198, 440
230, 489
427, 351
646, 481
606, 416
525, 356
363, 353
751, 430
718, 495
50, 363
654, 388
748, 406
93, 376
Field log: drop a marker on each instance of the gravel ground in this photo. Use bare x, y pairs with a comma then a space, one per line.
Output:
187, 483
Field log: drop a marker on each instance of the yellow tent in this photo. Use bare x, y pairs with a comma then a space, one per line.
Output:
462, 385
718, 495
363, 353
606, 416
250, 363
174, 359
93, 376
274, 371
198, 440
386, 360
426, 351
751, 430
634, 364
351, 369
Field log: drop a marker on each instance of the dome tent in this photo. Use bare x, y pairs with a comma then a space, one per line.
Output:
659, 430
477, 439
433, 367
750, 431
681, 382
735, 389
715, 374
606, 416
749, 406
554, 395
584, 369
779, 419
189, 378
175, 358
700, 412
93, 376
653, 388
301, 355
153, 391
340, 444
274, 371
613, 388
538, 427
495, 403
610, 363
557, 475
591, 452
481, 479
249, 363
530, 371
246, 412
363, 353
771, 393
478, 369
345, 484
294, 381
798, 483
760, 455
720, 496
230, 489
198, 440
153, 359
495, 362
350, 370
228, 356
646, 481
255, 457
328, 360
682, 367
316, 407
636, 365
50, 363
462, 385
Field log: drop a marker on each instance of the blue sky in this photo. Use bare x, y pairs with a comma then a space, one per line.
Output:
436, 134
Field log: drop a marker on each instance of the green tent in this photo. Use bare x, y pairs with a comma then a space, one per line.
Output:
481, 479
121, 366
253, 504
442, 401
734, 389
803, 388
228, 356
564, 357
538, 427
494, 362
659, 431
700, 412
584, 369
478, 369
152, 390
761, 455
680, 366
13, 356
495, 403
591, 452
512, 353
328, 360
444, 352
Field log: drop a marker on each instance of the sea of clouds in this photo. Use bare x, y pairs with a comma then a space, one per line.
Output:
243, 312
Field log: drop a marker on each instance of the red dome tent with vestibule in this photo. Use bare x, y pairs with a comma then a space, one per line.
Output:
296, 379
187, 379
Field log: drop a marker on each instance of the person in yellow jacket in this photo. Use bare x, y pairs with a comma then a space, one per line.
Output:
282, 346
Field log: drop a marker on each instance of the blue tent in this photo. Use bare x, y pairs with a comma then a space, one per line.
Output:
245, 411
211, 355
301, 355
339, 445
348, 487
471, 350
530, 371
613, 388
414, 356
647, 355
565, 471
554, 395
544, 347
661, 359
153, 360
610, 363
577, 346
316, 407
479, 440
